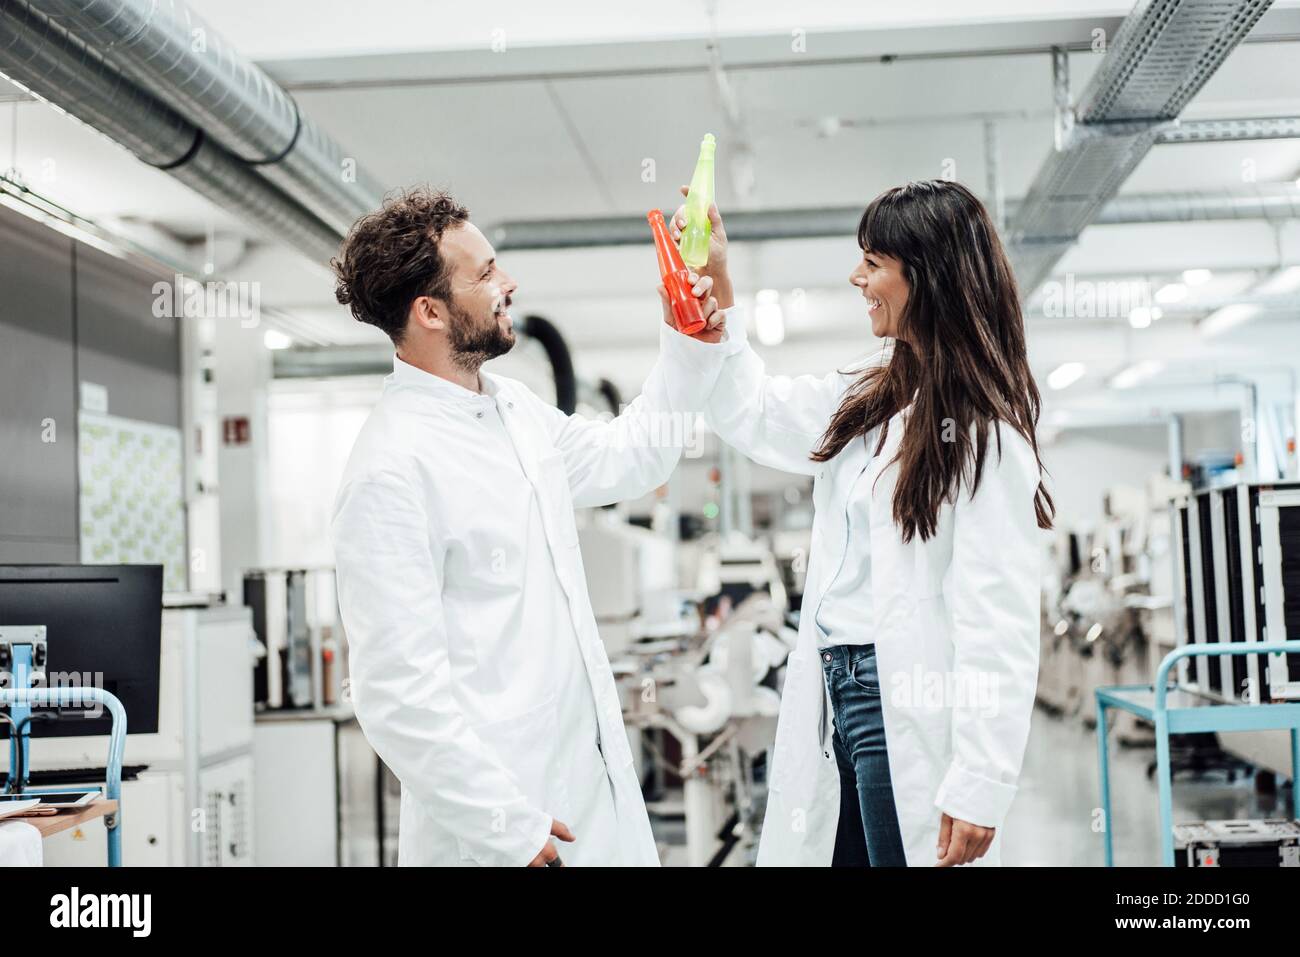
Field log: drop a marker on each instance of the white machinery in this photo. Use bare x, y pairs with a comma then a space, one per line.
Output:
324, 798
296, 618
699, 683
193, 803
1107, 608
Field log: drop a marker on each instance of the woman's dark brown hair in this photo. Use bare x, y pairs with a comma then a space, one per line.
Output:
959, 360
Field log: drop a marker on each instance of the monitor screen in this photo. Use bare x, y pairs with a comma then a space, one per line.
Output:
103, 628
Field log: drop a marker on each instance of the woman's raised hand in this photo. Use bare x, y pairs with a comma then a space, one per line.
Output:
716, 268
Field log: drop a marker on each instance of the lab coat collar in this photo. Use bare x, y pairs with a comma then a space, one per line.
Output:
405, 374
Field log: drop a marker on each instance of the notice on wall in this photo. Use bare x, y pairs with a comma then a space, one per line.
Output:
132, 505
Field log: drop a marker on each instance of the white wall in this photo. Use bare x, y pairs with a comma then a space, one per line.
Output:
312, 426
1083, 463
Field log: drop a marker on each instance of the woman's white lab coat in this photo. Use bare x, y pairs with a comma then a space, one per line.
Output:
956, 623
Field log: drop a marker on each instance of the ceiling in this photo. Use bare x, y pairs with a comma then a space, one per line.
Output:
560, 120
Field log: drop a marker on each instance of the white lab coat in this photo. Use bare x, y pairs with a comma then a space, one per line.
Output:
450, 682
961, 607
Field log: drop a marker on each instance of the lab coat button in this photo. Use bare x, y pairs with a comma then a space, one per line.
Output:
478, 415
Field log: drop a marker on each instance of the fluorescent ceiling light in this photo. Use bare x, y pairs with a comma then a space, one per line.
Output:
1066, 374
1140, 317
275, 339
1197, 277
769, 320
1138, 372
1221, 320
1174, 292
1283, 281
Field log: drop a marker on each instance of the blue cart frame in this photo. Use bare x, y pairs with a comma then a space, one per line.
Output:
1191, 712
76, 698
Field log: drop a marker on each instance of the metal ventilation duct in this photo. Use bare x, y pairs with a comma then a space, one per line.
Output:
46, 60
1269, 201
631, 230
168, 50
1162, 55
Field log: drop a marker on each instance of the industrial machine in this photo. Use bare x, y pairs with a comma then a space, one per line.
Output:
699, 674
189, 787
296, 618
1267, 843
1108, 603
179, 664
1237, 552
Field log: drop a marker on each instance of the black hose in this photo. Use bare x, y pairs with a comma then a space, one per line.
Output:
610, 393
557, 351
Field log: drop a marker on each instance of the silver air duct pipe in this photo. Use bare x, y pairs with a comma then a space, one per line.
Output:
165, 48
44, 59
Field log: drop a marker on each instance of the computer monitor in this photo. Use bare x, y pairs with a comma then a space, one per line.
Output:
99, 620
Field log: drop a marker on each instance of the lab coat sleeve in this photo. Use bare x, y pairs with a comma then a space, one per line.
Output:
390, 575
635, 452
992, 595
776, 421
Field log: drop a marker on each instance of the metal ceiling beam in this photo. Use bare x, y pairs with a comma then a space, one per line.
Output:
1232, 130
1162, 56
1267, 201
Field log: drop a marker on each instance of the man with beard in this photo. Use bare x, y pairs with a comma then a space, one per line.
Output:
476, 670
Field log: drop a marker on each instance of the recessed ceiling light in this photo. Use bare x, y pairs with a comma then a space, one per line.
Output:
275, 339
1128, 377
769, 320
1066, 374
1197, 277
1174, 292
1221, 320
1282, 281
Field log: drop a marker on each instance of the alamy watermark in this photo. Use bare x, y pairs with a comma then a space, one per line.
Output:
1091, 299
653, 430
58, 680
185, 298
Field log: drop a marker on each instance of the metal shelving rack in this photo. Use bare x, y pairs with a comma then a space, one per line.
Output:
1183, 711
76, 697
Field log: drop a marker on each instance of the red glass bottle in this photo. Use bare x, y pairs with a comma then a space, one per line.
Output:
687, 312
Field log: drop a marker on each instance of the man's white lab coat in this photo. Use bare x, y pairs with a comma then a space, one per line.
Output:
456, 617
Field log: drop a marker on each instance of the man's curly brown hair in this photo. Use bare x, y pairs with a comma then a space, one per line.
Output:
390, 258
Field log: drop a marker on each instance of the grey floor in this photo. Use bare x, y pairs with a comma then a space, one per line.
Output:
1052, 820
1058, 804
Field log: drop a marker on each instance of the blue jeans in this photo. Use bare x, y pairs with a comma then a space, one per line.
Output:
868, 834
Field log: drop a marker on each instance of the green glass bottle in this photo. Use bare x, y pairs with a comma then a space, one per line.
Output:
694, 245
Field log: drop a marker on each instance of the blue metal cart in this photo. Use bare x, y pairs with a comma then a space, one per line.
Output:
21, 700
1178, 711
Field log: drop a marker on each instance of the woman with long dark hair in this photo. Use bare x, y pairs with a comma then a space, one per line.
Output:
906, 705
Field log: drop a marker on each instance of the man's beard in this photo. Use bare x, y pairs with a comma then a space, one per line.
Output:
473, 342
